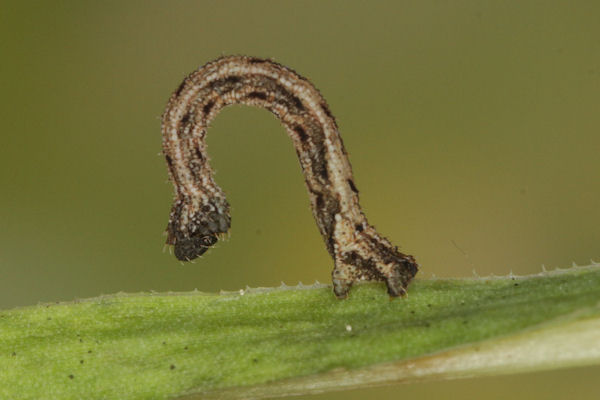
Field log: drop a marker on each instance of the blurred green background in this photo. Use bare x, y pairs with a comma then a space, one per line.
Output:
472, 127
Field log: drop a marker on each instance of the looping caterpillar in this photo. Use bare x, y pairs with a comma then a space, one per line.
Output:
200, 211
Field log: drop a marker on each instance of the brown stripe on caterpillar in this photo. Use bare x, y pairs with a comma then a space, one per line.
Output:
352, 186
327, 111
292, 102
300, 132
257, 95
317, 151
330, 207
226, 84
206, 108
180, 88
255, 60
169, 161
366, 265
282, 95
200, 210
186, 118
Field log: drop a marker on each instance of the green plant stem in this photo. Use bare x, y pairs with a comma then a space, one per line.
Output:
299, 340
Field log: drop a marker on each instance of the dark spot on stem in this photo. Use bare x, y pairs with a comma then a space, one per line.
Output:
318, 153
331, 245
233, 79
208, 106
326, 213
301, 133
257, 95
366, 265
198, 153
326, 110
352, 186
323, 172
225, 85
254, 60
286, 98
320, 202
180, 88
297, 102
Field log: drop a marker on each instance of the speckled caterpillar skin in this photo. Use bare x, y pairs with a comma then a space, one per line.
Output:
200, 212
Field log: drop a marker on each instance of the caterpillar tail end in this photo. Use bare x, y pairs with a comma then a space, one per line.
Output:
386, 264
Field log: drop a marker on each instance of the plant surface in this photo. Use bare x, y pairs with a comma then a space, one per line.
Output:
267, 342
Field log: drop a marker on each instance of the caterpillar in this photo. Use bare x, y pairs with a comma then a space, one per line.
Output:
200, 211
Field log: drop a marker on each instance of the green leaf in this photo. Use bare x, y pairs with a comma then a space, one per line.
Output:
267, 342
